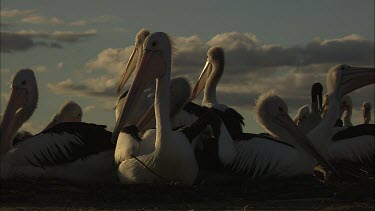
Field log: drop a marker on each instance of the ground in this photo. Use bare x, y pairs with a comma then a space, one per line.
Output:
299, 193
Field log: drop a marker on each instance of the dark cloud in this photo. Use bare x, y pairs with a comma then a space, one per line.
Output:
11, 42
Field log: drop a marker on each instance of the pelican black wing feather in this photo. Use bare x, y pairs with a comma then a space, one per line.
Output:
195, 109
249, 136
355, 131
65, 142
233, 121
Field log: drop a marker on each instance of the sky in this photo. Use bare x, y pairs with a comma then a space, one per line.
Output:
78, 49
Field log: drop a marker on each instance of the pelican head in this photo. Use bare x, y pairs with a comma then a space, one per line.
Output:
153, 65
21, 105
302, 114
134, 57
69, 112
366, 111
212, 71
343, 79
271, 112
316, 97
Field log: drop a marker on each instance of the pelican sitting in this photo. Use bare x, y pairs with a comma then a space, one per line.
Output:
173, 158
208, 80
69, 112
366, 111
306, 119
74, 151
355, 144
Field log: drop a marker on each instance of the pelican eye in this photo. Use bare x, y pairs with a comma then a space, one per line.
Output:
281, 109
23, 83
155, 44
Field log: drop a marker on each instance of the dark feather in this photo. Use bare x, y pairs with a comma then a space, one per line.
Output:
249, 136
57, 148
355, 131
233, 121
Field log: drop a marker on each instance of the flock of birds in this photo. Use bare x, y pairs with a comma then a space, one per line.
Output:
160, 135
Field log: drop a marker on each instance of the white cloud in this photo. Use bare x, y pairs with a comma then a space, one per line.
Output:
60, 65
11, 13
40, 69
88, 108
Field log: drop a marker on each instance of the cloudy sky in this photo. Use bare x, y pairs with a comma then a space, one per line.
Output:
78, 49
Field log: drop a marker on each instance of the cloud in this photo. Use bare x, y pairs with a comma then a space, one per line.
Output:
88, 108
251, 67
94, 87
11, 13
40, 69
69, 36
60, 65
38, 19
112, 60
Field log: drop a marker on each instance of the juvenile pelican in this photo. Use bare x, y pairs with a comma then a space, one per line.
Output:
74, 151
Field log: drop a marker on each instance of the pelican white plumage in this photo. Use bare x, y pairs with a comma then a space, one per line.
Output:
366, 112
74, 151
307, 119
173, 157
265, 156
207, 81
355, 144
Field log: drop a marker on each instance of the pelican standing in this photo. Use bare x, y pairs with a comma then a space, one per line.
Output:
74, 151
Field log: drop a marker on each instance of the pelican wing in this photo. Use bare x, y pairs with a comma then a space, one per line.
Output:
63, 143
355, 131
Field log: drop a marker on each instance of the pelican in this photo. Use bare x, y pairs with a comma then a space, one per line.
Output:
173, 158
354, 144
73, 151
266, 156
147, 96
366, 111
69, 112
347, 108
143, 136
306, 119
208, 80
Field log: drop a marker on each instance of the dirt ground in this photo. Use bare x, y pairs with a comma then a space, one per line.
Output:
296, 194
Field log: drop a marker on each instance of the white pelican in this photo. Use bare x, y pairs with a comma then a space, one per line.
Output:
173, 158
208, 80
74, 151
306, 119
69, 112
147, 96
355, 144
265, 156
143, 141
366, 112
347, 109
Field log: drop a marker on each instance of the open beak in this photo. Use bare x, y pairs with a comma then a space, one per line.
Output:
304, 142
18, 99
130, 67
152, 66
201, 83
355, 78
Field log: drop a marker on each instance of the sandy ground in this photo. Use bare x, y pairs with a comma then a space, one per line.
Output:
296, 194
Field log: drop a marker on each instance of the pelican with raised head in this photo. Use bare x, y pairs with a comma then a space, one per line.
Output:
173, 157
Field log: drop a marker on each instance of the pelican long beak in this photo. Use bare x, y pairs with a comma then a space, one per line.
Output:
152, 66
355, 78
201, 82
18, 98
304, 142
130, 67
